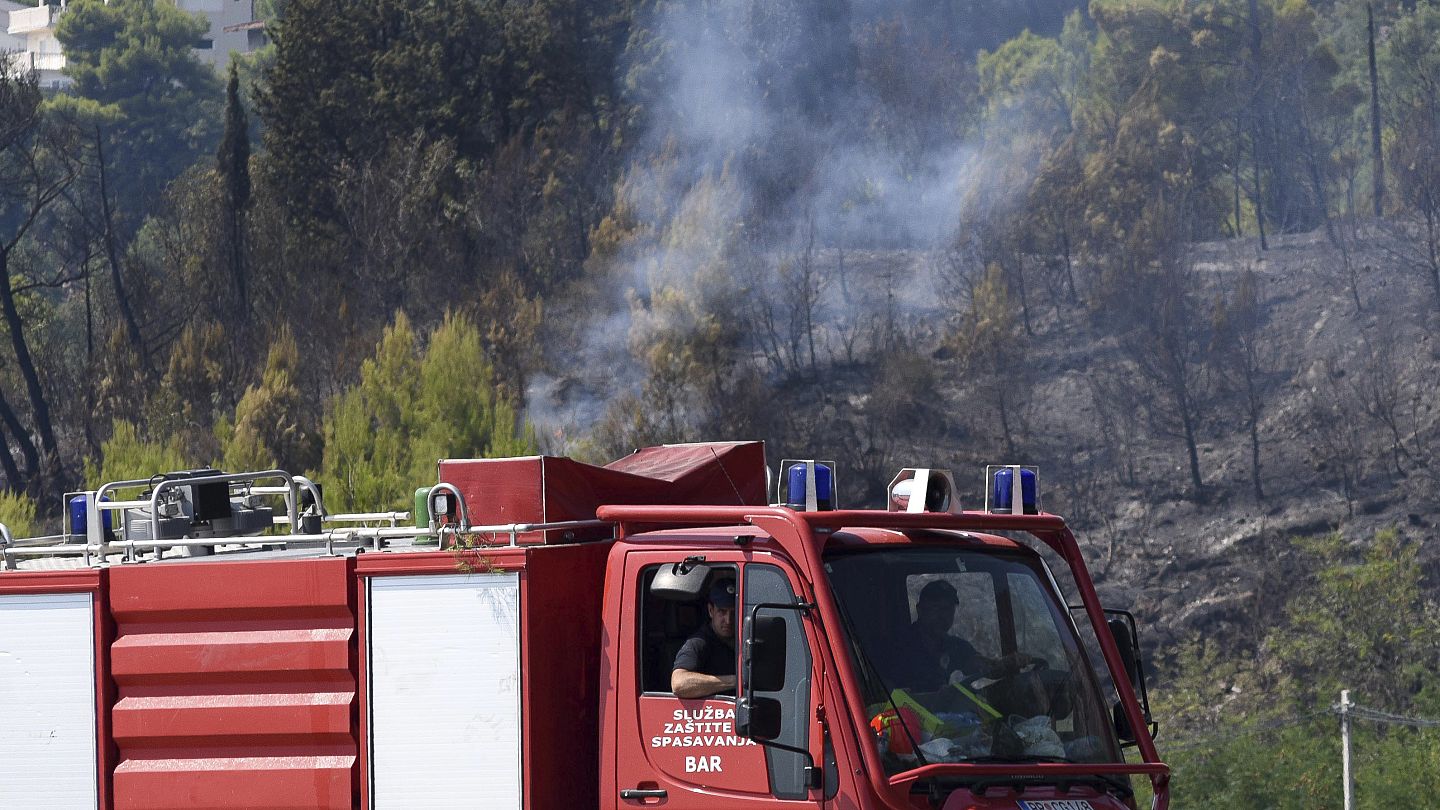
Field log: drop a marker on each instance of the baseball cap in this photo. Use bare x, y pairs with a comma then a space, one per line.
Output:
938, 590
722, 593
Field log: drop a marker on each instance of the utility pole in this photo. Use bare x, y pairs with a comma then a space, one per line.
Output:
1345, 748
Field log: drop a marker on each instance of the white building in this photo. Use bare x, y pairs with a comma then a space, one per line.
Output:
32, 30
233, 29
30, 35
8, 42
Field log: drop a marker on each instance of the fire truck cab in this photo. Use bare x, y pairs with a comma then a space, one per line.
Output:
514, 648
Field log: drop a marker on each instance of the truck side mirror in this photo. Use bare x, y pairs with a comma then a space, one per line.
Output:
1122, 630
765, 654
764, 667
763, 664
1123, 732
1121, 633
758, 718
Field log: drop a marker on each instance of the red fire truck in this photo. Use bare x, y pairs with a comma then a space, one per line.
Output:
212, 640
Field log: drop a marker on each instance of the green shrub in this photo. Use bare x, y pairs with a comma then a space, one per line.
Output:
17, 512
127, 455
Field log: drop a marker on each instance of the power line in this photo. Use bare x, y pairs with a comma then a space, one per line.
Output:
1347, 711
1377, 716
1250, 730
1357, 712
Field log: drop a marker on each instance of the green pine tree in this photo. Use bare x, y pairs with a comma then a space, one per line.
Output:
412, 407
137, 78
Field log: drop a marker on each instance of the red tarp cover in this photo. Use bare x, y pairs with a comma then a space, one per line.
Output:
548, 489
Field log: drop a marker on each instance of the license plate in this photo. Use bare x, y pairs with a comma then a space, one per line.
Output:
1057, 804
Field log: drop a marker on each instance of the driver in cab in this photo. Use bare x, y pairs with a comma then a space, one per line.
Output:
928, 653
705, 665
929, 658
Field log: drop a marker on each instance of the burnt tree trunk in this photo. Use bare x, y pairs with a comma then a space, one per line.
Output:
13, 482
1254, 410
22, 438
1258, 141
1192, 449
40, 409
1377, 157
1235, 173
1432, 243
112, 255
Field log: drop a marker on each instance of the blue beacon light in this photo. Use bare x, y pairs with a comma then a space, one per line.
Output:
79, 522
795, 487
1003, 500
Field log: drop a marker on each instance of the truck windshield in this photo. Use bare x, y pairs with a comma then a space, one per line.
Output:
966, 655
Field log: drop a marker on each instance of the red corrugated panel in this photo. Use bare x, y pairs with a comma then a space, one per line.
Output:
236, 685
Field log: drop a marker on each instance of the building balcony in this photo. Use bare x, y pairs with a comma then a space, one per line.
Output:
27, 20
47, 67
41, 62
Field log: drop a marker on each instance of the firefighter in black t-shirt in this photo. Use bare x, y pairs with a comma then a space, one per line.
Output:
705, 666
926, 655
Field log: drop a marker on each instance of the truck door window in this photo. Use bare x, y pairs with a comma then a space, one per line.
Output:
667, 621
767, 584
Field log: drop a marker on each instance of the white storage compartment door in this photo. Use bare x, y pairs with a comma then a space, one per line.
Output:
444, 691
47, 701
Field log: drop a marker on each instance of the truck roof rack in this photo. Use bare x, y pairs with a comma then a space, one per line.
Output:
197, 513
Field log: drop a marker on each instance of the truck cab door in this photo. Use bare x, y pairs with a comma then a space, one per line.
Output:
681, 753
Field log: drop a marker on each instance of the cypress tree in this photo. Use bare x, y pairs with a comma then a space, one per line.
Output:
233, 166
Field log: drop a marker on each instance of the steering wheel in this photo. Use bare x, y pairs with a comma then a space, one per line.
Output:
1028, 689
